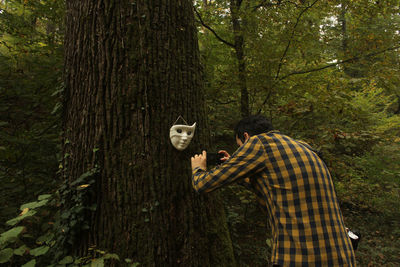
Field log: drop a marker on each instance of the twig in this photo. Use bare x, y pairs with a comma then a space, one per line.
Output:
211, 30
291, 38
224, 103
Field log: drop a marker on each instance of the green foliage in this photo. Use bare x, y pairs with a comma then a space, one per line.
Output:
30, 71
348, 111
16, 241
43, 240
30, 263
73, 218
11, 234
5, 255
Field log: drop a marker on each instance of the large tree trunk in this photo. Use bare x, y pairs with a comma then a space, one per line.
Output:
131, 68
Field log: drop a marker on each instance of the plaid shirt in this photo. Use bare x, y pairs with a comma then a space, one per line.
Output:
295, 187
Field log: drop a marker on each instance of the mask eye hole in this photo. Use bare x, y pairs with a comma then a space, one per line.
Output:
179, 130
189, 133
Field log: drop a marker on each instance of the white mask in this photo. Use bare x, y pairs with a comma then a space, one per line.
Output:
181, 135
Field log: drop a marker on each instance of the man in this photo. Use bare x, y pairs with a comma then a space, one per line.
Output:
295, 187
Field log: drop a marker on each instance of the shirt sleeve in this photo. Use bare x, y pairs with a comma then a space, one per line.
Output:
248, 160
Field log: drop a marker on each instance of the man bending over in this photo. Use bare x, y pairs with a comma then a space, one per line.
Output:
295, 187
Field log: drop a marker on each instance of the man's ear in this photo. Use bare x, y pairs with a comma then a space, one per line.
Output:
246, 136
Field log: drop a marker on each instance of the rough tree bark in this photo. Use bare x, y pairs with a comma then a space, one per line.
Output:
131, 68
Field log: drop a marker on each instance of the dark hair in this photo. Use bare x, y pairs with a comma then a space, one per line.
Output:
253, 125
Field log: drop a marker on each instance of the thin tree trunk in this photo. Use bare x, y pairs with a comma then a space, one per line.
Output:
398, 106
131, 68
353, 69
240, 56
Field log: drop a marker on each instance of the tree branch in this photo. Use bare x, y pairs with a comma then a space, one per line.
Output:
211, 30
328, 66
291, 38
224, 103
357, 58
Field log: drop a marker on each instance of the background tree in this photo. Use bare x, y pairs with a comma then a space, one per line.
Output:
131, 68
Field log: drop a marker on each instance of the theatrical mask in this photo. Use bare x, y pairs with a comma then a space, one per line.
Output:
181, 135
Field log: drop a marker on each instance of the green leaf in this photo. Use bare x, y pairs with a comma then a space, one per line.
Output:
45, 238
111, 256
128, 260
21, 250
268, 242
56, 108
19, 218
66, 260
65, 214
39, 251
34, 204
10, 234
43, 197
97, 263
6, 254
82, 177
31, 263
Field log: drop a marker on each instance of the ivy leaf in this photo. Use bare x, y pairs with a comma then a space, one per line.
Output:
56, 108
111, 256
6, 254
10, 234
21, 250
16, 220
46, 238
97, 263
31, 263
66, 260
34, 204
82, 177
43, 197
39, 251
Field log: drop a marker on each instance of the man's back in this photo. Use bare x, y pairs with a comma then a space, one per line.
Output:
305, 216
296, 188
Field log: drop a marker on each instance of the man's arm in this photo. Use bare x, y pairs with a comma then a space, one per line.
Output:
245, 162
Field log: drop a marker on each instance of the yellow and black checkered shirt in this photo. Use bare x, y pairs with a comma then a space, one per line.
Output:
295, 187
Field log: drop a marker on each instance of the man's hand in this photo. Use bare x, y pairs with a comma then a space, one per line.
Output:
226, 155
199, 161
